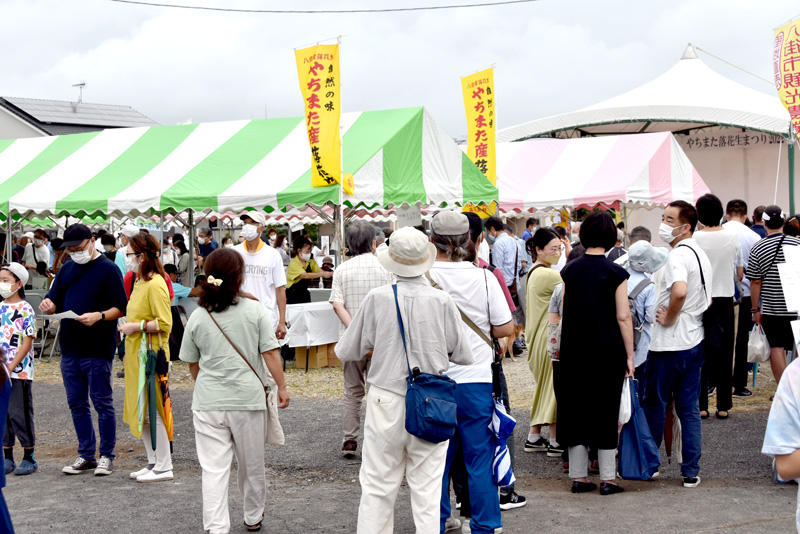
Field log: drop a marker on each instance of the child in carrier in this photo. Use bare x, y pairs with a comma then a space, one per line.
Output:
18, 332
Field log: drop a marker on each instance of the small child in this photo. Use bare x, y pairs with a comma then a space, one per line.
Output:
18, 332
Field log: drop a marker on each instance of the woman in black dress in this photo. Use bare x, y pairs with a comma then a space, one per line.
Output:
596, 355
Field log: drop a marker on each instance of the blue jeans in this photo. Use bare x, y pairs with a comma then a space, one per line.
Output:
676, 375
85, 377
476, 440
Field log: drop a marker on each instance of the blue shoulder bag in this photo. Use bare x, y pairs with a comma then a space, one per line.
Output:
430, 399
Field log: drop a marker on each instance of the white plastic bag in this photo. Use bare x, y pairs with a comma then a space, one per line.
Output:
757, 345
625, 408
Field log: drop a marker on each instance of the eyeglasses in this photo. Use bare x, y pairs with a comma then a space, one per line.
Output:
137, 254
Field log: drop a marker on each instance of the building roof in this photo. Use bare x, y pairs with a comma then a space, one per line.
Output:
689, 95
57, 117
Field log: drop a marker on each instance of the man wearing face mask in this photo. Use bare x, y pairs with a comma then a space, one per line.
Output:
38, 258
206, 244
264, 275
110, 250
676, 351
91, 286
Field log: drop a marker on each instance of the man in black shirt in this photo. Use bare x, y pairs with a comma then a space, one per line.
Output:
91, 286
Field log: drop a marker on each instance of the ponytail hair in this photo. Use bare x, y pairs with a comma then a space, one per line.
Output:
455, 246
220, 289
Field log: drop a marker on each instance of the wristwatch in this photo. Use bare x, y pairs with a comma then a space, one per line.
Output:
754, 311
102, 316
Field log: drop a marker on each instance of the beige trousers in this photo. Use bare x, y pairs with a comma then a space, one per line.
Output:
220, 435
355, 377
389, 452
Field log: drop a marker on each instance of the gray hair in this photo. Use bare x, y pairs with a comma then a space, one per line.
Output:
640, 233
455, 246
620, 235
360, 236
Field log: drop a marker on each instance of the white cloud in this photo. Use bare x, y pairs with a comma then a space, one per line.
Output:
552, 56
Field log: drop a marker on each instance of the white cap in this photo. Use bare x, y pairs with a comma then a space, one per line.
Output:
255, 216
29, 235
19, 271
130, 231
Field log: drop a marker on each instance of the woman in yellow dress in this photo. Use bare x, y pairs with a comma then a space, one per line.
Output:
545, 249
148, 314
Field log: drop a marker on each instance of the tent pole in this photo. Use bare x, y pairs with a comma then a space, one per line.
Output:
191, 243
162, 227
9, 247
791, 175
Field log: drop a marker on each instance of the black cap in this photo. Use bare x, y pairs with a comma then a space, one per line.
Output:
773, 217
75, 235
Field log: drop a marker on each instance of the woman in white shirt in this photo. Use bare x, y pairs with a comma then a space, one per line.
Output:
727, 265
478, 295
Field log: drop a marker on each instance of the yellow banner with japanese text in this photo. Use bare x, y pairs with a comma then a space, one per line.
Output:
786, 65
318, 71
479, 104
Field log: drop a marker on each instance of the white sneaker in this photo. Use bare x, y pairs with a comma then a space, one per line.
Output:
152, 476
105, 466
452, 524
140, 472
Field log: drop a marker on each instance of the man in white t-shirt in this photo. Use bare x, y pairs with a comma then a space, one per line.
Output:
264, 276
736, 213
676, 351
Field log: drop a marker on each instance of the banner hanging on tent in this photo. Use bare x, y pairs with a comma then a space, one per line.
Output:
479, 104
318, 71
786, 64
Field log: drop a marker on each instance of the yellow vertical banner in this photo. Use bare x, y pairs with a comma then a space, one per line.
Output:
318, 71
786, 65
479, 104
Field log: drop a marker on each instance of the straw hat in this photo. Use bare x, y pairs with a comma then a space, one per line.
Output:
409, 253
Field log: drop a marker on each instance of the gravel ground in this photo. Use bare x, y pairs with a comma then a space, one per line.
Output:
312, 489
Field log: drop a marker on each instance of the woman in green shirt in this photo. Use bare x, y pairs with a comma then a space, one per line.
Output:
301, 270
232, 352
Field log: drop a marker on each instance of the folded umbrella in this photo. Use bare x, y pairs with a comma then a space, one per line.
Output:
151, 393
502, 428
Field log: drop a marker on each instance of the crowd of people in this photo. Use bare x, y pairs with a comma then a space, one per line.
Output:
450, 301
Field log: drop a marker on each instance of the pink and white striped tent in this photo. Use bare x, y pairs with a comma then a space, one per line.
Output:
637, 170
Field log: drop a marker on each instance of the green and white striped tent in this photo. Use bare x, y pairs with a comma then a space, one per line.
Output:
396, 156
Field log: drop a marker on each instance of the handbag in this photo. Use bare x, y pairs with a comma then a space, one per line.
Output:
272, 424
638, 455
430, 399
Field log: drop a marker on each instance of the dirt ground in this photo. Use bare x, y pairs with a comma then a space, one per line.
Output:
312, 489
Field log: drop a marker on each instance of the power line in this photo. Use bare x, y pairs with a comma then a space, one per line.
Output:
734, 65
324, 11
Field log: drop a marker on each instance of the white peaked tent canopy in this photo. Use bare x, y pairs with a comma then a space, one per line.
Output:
690, 95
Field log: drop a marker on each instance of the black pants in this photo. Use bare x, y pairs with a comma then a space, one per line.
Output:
745, 323
718, 366
19, 424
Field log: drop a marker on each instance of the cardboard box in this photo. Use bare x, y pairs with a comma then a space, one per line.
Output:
318, 357
333, 361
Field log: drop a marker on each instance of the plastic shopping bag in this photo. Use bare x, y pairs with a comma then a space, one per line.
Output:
625, 403
757, 345
638, 455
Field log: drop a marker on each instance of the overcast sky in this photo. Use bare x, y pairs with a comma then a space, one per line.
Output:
551, 56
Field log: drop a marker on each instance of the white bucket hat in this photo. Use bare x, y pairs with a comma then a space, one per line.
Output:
645, 258
409, 253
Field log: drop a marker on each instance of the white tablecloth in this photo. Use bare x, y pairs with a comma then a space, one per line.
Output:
312, 324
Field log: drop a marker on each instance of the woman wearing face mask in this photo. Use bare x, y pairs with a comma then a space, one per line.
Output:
545, 250
184, 263
227, 242
301, 270
148, 314
281, 246
272, 236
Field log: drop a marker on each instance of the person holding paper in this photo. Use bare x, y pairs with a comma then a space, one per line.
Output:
766, 291
91, 286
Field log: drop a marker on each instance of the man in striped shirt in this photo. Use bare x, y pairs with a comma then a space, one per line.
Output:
352, 280
765, 286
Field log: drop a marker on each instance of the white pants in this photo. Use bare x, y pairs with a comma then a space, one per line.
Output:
388, 452
220, 435
161, 456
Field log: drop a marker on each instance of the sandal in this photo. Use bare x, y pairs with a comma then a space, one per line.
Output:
256, 527
718, 415
704, 414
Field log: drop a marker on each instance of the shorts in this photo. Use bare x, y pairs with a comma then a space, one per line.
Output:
778, 330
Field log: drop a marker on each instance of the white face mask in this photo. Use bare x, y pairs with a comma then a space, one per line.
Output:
202, 240
38, 242
272, 238
81, 257
131, 264
229, 245
6, 291
250, 232
108, 248
305, 257
665, 232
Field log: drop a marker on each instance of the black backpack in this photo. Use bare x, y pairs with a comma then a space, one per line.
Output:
638, 322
